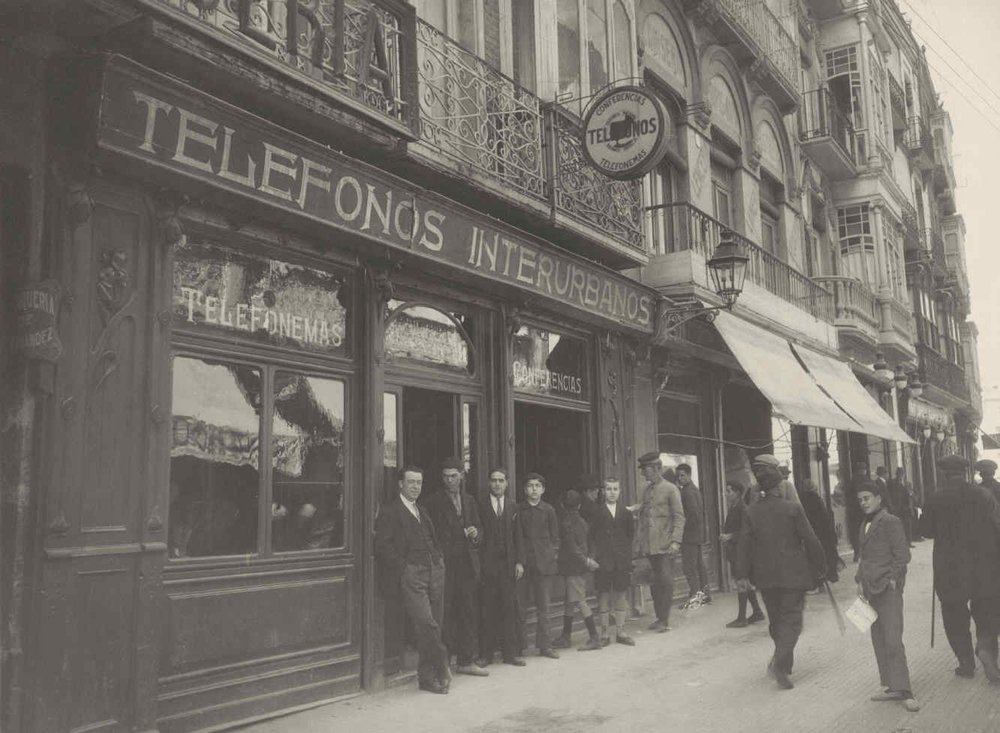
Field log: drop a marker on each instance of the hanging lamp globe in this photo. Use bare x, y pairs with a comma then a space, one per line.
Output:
728, 269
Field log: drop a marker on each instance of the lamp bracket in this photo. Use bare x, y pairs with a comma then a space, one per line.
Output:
675, 313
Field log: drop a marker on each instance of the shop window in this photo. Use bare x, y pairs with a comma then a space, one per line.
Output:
423, 335
219, 488
549, 363
243, 297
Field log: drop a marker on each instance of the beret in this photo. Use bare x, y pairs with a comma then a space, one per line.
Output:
647, 458
453, 463
571, 500
986, 465
766, 459
953, 462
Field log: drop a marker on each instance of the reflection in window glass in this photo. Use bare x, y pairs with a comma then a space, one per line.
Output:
623, 42
549, 363
426, 335
597, 44
568, 45
214, 476
307, 458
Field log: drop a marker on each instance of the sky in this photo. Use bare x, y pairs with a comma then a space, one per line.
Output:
972, 29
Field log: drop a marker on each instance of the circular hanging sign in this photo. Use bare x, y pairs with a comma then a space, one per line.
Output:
625, 132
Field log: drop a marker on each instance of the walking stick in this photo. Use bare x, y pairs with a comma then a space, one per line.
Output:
836, 609
933, 605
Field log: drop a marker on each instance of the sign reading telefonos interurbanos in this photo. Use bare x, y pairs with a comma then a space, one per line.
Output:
625, 132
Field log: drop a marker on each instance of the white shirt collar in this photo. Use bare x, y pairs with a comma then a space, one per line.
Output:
613, 508
412, 506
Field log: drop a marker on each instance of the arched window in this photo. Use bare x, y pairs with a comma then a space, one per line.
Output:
423, 335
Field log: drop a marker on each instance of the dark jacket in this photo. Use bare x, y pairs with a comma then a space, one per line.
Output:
777, 547
574, 544
822, 524
992, 486
540, 531
501, 544
694, 523
611, 538
899, 498
450, 527
735, 518
400, 540
964, 522
884, 553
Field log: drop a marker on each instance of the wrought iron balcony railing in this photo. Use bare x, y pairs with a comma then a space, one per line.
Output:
941, 373
897, 101
686, 227
773, 41
480, 118
917, 137
854, 305
911, 227
332, 42
819, 117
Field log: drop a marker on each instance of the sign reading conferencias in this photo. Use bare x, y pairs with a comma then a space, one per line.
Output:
625, 132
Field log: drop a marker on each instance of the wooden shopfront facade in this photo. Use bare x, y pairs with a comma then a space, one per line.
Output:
258, 333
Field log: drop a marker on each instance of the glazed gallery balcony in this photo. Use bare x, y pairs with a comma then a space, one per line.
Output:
827, 135
682, 227
476, 123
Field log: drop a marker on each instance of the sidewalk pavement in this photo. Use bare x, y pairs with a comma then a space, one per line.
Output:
699, 677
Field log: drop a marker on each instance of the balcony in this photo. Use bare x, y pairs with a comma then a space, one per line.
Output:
827, 135
685, 228
896, 329
759, 40
911, 228
942, 375
897, 101
476, 124
918, 143
856, 314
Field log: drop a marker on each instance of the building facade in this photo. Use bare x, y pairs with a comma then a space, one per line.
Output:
259, 255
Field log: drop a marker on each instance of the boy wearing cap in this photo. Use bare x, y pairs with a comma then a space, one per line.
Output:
611, 537
882, 559
987, 469
575, 562
540, 530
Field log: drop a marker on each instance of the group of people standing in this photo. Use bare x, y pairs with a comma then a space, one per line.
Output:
462, 567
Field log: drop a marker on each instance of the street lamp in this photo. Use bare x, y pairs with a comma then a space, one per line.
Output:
940, 434
727, 269
916, 387
926, 432
882, 371
899, 379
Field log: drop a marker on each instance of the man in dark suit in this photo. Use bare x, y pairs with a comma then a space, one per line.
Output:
899, 500
694, 534
964, 522
456, 518
883, 556
779, 553
852, 510
407, 546
501, 556
987, 470
539, 528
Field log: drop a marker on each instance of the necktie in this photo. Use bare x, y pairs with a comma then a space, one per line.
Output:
498, 506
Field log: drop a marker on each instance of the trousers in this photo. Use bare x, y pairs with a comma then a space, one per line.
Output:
461, 622
422, 589
694, 567
500, 620
662, 585
956, 615
784, 615
887, 640
538, 586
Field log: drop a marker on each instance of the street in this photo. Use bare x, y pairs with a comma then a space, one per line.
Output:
699, 677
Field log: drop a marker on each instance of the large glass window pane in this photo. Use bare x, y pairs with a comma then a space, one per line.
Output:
214, 476
523, 24
568, 44
470, 430
307, 458
235, 294
423, 335
623, 42
545, 362
597, 44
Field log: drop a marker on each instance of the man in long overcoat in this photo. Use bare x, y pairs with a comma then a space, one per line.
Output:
455, 515
987, 470
779, 553
964, 522
658, 534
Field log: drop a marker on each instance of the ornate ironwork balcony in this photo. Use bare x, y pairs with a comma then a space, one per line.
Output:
941, 373
685, 227
359, 50
582, 195
478, 117
911, 228
827, 134
897, 101
918, 143
854, 305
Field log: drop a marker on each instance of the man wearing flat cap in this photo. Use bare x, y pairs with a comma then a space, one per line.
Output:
589, 487
986, 470
964, 522
766, 464
456, 518
658, 534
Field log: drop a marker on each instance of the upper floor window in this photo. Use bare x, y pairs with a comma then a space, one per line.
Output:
605, 28
771, 194
723, 177
894, 267
843, 77
857, 243
880, 99
458, 19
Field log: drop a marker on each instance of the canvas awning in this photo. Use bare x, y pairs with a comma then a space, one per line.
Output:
804, 386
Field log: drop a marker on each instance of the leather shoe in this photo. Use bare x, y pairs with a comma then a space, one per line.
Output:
782, 679
755, 617
965, 671
515, 662
473, 670
989, 665
625, 639
659, 626
550, 653
737, 624
911, 705
434, 686
887, 696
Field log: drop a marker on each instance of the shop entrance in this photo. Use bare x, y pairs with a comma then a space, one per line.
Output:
551, 441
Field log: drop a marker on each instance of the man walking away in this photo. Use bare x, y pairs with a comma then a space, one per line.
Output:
658, 534
407, 546
779, 553
964, 522
694, 535
987, 469
884, 554
899, 499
